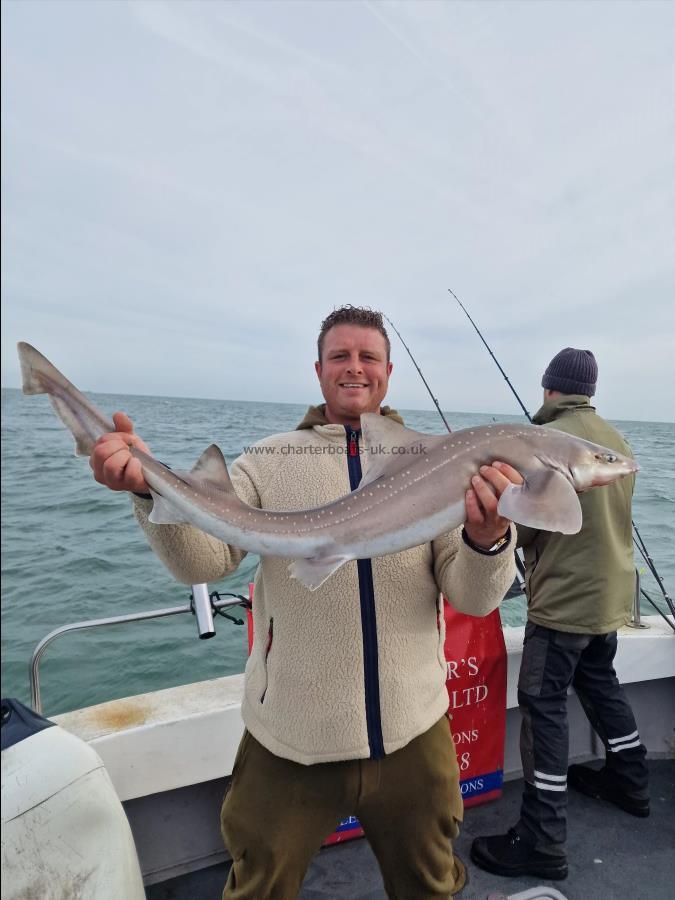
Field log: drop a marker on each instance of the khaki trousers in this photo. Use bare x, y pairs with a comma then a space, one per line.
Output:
277, 813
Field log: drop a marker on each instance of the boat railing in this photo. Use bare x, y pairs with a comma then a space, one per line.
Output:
202, 605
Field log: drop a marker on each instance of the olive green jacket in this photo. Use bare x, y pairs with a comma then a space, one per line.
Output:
585, 582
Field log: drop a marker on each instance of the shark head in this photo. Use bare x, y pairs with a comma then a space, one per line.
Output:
593, 466
565, 466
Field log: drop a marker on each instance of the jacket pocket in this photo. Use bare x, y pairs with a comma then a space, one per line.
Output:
440, 648
529, 575
268, 650
535, 651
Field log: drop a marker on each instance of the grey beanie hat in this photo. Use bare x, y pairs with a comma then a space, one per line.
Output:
572, 372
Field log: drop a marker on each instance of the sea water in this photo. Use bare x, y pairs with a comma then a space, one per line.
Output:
72, 551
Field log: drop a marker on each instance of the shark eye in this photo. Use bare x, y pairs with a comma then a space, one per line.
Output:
607, 457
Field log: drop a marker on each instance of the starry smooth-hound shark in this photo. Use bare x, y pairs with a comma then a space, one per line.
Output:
404, 498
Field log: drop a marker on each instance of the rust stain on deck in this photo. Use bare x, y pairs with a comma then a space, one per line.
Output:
121, 715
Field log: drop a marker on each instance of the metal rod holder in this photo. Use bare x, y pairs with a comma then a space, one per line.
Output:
201, 606
635, 621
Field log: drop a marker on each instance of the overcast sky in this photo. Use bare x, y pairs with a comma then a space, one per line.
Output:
189, 188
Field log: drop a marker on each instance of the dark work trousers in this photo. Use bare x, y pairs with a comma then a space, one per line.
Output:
277, 813
552, 661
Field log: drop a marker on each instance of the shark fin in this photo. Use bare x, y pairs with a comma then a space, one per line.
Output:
163, 513
546, 500
212, 469
380, 431
314, 571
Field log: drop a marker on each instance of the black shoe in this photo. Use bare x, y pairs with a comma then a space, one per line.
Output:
602, 784
510, 855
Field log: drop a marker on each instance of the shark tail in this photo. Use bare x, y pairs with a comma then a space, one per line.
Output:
84, 420
34, 366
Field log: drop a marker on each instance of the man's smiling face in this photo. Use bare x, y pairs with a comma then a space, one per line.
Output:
353, 373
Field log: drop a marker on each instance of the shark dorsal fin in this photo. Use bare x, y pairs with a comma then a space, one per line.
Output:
212, 468
382, 432
377, 429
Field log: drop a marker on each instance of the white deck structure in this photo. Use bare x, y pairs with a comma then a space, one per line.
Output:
173, 750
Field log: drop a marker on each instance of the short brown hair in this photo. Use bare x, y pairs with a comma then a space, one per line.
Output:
353, 315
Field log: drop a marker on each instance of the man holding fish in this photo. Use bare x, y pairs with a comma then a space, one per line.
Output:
345, 700
345, 703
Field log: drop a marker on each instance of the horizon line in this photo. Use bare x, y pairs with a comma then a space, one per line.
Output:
519, 415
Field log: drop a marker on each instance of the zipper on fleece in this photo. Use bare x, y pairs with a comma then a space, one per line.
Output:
368, 619
270, 638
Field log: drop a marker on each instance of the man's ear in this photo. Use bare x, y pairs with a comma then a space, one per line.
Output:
317, 369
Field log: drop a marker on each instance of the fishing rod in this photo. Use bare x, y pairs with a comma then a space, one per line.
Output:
519, 563
506, 377
440, 411
652, 568
640, 544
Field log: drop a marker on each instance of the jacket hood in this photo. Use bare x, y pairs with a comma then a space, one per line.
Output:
316, 415
553, 409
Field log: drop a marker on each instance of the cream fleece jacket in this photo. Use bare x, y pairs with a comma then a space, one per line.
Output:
304, 685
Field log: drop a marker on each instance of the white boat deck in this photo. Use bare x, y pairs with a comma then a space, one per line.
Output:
170, 753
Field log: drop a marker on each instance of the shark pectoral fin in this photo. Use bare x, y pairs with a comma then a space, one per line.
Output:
314, 571
163, 513
546, 501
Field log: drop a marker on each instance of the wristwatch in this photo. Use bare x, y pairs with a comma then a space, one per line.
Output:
496, 548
